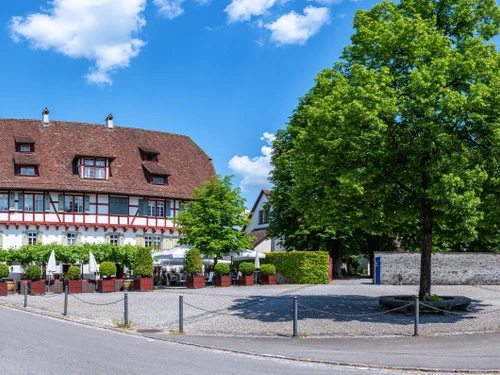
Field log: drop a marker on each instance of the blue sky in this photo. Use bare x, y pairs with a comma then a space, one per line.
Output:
227, 73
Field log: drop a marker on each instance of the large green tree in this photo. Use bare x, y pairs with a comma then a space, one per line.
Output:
212, 221
401, 136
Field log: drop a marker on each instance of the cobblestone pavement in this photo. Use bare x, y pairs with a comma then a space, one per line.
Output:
342, 308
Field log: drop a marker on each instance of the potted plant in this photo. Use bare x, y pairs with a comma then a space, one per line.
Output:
247, 269
34, 274
268, 274
107, 283
143, 270
73, 280
193, 266
4, 273
222, 277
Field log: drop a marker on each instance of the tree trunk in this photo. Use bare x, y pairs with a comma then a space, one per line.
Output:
335, 251
426, 251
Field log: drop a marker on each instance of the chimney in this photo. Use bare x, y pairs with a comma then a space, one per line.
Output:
109, 121
45, 117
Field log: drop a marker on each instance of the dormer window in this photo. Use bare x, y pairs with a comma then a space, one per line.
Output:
26, 164
158, 180
151, 157
25, 148
28, 171
25, 144
149, 154
95, 168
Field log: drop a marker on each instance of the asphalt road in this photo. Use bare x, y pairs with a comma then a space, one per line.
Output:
35, 345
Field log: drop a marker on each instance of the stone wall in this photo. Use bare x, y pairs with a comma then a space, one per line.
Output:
447, 268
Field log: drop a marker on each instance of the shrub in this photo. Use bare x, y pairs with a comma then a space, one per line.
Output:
221, 269
107, 269
301, 267
192, 262
143, 263
4, 271
267, 269
33, 273
247, 268
74, 273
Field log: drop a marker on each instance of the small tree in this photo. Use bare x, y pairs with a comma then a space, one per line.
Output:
33, 272
4, 271
74, 273
267, 269
107, 269
247, 268
221, 269
213, 220
192, 262
143, 263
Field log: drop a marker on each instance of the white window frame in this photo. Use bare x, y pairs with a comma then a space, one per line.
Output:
27, 171
4, 202
71, 238
114, 239
151, 240
32, 238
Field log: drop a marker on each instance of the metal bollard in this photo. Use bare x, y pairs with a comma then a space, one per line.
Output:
295, 314
25, 294
416, 308
65, 301
181, 314
125, 307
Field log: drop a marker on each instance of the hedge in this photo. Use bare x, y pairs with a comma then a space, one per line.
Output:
300, 267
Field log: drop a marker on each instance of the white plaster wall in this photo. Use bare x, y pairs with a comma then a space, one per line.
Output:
254, 224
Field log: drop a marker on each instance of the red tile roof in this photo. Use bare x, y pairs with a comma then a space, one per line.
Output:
59, 143
24, 139
259, 236
155, 168
28, 159
149, 150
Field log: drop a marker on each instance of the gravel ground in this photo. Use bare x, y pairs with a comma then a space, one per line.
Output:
342, 308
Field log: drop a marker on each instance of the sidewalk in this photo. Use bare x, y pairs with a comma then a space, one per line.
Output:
461, 353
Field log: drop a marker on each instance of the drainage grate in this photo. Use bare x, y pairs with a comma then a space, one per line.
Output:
149, 330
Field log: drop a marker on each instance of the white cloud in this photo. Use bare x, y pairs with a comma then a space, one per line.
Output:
203, 2
169, 8
243, 10
255, 171
327, 2
293, 28
98, 30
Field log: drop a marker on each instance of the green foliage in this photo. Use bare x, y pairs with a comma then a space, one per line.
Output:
107, 269
143, 263
221, 269
301, 267
212, 221
4, 271
192, 262
74, 273
247, 268
33, 272
4, 255
435, 297
267, 269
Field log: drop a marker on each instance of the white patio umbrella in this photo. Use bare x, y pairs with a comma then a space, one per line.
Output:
93, 267
51, 268
257, 261
249, 254
178, 252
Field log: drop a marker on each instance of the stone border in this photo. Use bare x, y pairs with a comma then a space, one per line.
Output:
448, 303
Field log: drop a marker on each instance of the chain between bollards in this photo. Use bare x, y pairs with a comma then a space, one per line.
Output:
65, 301
416, 309
25, 294
295, 314
125, 308
181, 314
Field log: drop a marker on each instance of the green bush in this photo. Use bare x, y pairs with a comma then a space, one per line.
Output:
192, 262
4, 271
33, 273
267, 269
143, 263
300, 267
107, 269
74, 273
221, 269
247, 268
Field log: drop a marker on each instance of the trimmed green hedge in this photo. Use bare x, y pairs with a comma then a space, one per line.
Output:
221, 269
107, 269
301, 267
4, 271
74, 273
33, 272
247, 268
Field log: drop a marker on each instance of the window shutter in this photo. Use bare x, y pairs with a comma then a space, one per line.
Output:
87, 203
1, 240
20, 201
139, 241
108, 238
175, 241
60, 203
167, 243
143, 207
12, 201
47, 201
168, 212
78, 238
121, 239
64, 239
25, 239
40, 238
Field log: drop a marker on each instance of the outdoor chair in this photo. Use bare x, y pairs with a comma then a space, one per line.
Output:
210, 279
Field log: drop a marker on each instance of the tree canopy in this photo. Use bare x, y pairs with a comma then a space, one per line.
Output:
400, 138
212, 221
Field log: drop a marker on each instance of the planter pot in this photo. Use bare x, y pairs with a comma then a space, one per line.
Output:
36, 287
118, 285
55, 286
194, 282
128, 285
222, 280
143, 284
74, 286
3, 288
268, 279
106, 285
246, 280
11, 286
88, 286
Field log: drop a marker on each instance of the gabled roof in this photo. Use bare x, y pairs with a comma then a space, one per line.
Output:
24, 139
259, 236
58, 143
155, 169
265, 192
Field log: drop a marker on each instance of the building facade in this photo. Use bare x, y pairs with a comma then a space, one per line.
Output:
71, 183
